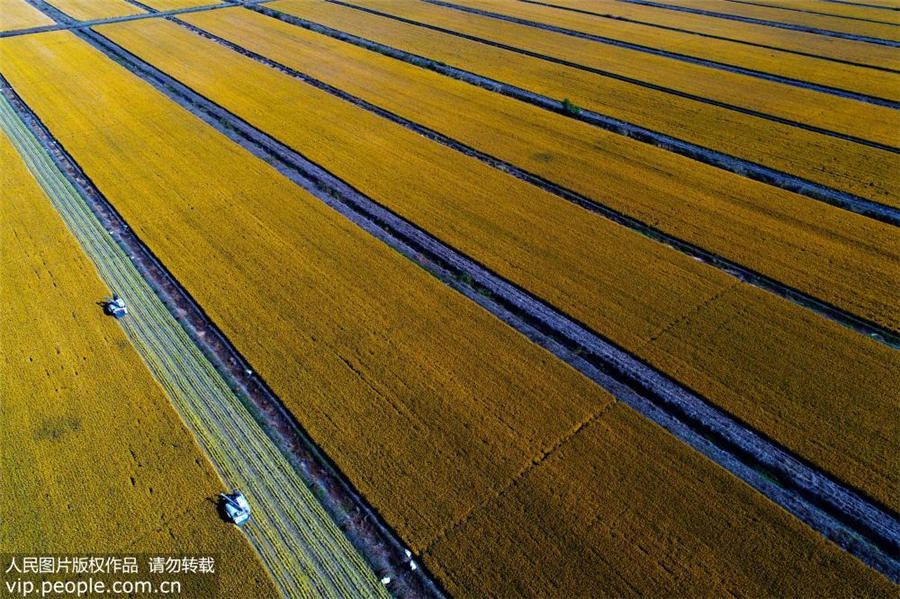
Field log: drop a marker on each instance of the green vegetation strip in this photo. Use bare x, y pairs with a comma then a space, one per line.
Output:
305, 552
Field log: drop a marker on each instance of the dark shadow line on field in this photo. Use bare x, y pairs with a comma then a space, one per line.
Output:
707, 35
626, 79
740, 166
776, 24
811, 12
742, 273
677, 56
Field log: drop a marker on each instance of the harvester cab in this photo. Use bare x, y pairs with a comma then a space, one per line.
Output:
116, 306
235, 507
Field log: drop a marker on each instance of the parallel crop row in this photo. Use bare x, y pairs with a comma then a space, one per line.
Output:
845, 259
102, 463
881, 24
763, 37
658, 304
837, 163
305, 553
431, 406
804, 68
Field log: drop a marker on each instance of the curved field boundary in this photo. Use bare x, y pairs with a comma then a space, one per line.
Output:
623, 78
825, 89
707, 35
841, 514
721, 160
747, 275
305, 552
812, 12
721, 15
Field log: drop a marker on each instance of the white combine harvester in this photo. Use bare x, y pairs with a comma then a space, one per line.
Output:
235, 507
115, 306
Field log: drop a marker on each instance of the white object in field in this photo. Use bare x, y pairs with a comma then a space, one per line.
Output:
386, 580
235, 506
116, 306
412, 565
408, 553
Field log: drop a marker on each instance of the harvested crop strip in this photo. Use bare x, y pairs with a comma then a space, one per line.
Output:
537, 241
853, 52
87, 10
305, 552
18, 14
836, 163
105, 465
840, 76
846, 259
383, 359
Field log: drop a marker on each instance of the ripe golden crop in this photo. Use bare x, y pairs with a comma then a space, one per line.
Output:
828, 23
102, 463
459, 430
628, 288
18, 14
798, 41
840, 164
805, 68
86, 10
846, 259
842, 115
623, 503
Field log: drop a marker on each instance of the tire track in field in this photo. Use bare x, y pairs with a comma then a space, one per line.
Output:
777, 24
713, 64
302, 548
842, 514
618, 77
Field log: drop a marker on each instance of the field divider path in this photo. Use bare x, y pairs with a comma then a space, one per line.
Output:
859, 525
740, 272
714, 64
721, 15
749, 169
305, 552
617, 76
706, 35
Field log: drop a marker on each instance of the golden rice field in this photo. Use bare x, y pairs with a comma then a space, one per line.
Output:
506, 471
92, 454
